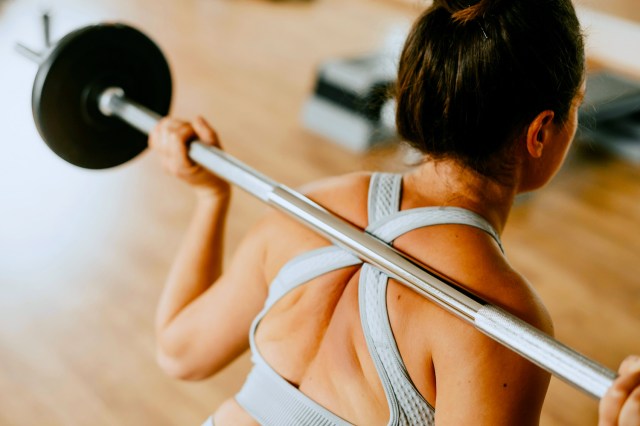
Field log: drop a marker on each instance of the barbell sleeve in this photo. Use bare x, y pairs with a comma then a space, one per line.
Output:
534, 345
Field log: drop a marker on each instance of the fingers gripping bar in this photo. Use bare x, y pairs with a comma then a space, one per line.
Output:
112, 102
538, 347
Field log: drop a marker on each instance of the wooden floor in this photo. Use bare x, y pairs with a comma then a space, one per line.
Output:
626, 9
83, 254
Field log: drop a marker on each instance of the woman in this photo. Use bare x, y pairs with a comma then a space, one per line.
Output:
489, 92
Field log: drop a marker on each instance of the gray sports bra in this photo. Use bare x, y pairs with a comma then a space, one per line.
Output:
270, 399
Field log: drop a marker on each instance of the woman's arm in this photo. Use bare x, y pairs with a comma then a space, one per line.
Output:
203, 316
198, 263
478, 380
481, 382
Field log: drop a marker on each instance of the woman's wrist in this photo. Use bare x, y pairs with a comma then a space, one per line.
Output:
214, 196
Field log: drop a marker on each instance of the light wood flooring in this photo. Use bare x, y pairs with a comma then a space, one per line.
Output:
83, 254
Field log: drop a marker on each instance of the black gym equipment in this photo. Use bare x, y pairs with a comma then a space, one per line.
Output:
349, 101
65, 108
610, 115
99, 74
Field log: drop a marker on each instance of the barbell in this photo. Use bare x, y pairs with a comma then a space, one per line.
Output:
101, 89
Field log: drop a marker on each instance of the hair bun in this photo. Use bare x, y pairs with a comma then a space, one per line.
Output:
464, 11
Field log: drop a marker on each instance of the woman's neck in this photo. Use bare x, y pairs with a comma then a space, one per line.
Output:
446, 182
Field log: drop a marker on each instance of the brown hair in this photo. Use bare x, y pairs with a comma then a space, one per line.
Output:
474, 74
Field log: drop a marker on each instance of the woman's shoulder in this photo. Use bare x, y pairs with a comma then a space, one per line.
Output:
283, 237
344, 181
465, 359
343, 195
471, 259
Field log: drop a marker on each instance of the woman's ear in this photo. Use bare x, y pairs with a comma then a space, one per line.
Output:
539, 133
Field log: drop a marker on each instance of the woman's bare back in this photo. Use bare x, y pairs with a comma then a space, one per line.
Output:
313, 336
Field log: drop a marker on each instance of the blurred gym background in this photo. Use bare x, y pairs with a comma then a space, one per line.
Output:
83, 254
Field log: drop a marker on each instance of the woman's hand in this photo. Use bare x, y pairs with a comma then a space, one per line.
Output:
620, 406
171, 138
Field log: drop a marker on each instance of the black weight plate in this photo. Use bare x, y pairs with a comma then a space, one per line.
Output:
78, 68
